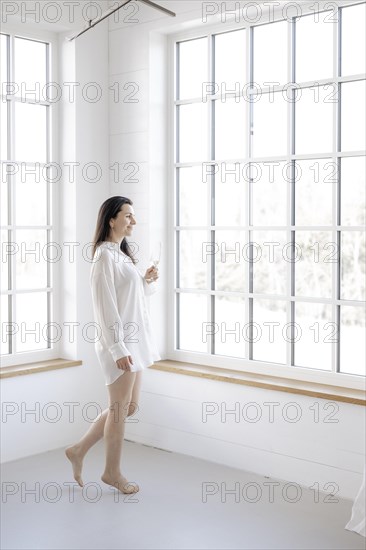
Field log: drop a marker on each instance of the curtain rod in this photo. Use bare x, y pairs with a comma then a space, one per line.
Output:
110, 12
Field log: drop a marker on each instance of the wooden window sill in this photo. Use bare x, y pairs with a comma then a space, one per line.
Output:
40, 366
312, 389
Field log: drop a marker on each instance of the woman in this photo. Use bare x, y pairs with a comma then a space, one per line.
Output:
118, 291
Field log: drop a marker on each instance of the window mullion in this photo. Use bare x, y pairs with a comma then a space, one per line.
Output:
336, 197
210, 233
248, 310
176, 221
11, 197
50, 221
290, 267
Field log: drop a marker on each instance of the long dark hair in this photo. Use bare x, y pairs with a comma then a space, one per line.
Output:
108, 210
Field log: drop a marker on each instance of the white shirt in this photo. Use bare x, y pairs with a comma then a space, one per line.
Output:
123, 322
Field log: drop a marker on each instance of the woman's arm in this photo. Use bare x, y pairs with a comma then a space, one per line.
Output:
105, 307
149, 287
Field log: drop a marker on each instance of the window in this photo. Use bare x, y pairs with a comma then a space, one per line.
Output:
27, 200
269, 196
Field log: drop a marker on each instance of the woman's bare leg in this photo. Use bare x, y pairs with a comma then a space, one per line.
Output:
75, 453
135, 396
119, 397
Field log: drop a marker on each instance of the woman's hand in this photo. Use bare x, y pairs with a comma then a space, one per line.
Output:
124, 363
151, 274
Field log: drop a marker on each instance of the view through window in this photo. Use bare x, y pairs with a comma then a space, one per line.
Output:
270, 192
26, 212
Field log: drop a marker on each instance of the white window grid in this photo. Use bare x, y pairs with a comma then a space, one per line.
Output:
51, 348
289, 370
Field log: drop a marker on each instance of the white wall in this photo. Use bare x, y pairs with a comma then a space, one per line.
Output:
307, 441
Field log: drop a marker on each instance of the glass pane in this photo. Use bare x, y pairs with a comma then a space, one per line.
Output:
193, 189
230, 129
230, 61
270, 64
30, 132
194, 330
269, 318
192, 132
194, 257
353, 40
230, 201
314, 46
5, 259
353, 116
269, 193
3, 63
31, 259
269, 262
353, 186
230, 260
31, 318
352, 340
353, 265
4, 340
270, 125
313, 191
30, 198
314, 255
193, 64
30, 60
314, 119
314, 334
4, 130
229, 326
4, 202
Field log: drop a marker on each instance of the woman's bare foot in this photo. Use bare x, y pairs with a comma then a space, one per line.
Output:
121, 483
77, 463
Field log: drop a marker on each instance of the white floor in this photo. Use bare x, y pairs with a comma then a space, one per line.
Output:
170, 510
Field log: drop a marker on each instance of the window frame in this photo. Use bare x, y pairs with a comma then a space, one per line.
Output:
225, 362
52, 226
